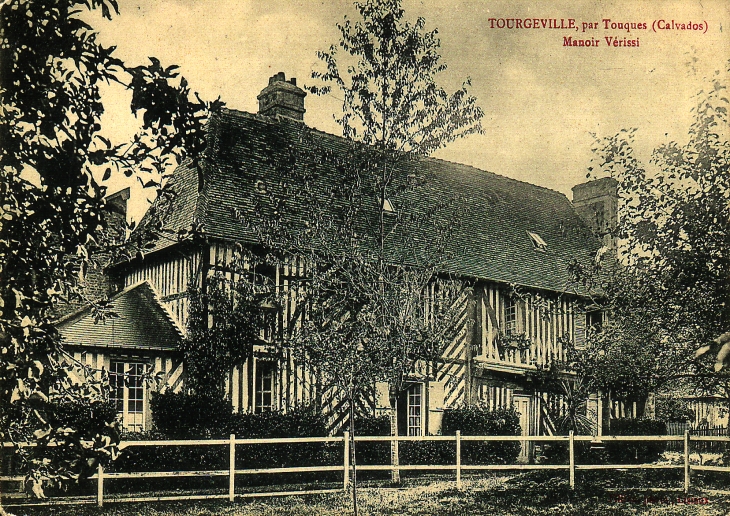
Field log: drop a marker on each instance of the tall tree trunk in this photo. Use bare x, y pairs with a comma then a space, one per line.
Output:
3, 512
354, 456
394, 459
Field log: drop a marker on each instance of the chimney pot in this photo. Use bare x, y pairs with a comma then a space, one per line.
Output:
282, 98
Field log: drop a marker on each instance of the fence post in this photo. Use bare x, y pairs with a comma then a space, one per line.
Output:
232, 468
346, 478
572, 460
686, 461
100, 485
458, 459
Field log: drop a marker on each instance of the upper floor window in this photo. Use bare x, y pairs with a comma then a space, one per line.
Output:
514, 315
594, 320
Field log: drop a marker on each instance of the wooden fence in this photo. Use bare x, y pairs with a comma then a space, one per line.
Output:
679, 428
345, 468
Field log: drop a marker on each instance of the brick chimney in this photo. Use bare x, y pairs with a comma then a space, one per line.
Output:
282, 97
596, 202
116, 203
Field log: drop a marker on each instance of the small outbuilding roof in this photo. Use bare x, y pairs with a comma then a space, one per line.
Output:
139, 321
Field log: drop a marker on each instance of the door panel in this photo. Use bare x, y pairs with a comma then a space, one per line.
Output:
523, 404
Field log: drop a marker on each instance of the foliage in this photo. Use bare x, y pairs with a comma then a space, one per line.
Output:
391, 98
476, 420
52, 152
393, 105
191, 416
235, 302
670, 409
668, 295
470, 420
620, 452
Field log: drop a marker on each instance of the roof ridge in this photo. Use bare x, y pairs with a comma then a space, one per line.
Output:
87, 305
273, 121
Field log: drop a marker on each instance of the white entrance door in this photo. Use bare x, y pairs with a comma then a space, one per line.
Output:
523, 404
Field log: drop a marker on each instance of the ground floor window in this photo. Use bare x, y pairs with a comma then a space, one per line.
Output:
411, 419
415, 412
265, 375
129, 393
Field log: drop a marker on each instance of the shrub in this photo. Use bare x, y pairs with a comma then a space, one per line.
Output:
182, 416
374, 452
191, 416
302, 421
477, 420
673, 410
88, 419
622, 452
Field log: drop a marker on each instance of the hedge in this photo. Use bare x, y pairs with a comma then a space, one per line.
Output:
614, 452
477, 420
470, 420
186, 416
627, 452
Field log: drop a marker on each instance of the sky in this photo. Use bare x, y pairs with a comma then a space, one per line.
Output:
542, 100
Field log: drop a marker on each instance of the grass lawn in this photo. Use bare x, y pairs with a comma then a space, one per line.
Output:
533, 493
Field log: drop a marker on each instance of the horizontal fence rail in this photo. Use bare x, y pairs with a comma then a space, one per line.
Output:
346, 467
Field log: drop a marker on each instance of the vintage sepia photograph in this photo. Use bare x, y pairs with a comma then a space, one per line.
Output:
364, 257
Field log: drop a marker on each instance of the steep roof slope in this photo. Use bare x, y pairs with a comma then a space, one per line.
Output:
491, 241
141, 323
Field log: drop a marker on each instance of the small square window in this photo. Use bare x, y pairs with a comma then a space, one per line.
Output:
537, 241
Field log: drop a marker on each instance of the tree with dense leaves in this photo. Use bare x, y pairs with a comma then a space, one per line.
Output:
392, 104
226, 319
52, 154
668, 294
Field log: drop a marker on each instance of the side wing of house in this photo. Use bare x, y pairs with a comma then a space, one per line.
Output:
129, 347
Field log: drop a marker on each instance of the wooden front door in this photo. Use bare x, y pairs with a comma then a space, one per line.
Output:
523, 405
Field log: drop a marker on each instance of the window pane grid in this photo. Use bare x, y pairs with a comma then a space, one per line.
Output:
264, 387
510, 317
414, 410
128, 393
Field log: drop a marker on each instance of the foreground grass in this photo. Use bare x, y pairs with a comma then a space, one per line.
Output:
529, 494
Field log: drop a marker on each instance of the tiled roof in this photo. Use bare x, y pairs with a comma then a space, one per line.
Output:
491, 242
141, 323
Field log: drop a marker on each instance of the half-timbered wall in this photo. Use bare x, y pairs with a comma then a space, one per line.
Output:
170, 276
455, 372
481, 313
295, 382
165, 364
543, 320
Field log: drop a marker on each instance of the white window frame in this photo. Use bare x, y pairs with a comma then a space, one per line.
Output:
414, 409
258, 390
132, 411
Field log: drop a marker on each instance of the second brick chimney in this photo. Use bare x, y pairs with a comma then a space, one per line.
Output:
596, 202
282, 98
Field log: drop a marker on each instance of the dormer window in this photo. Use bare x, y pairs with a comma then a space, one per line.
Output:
387, 206
537, 241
